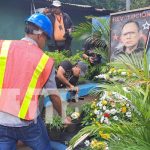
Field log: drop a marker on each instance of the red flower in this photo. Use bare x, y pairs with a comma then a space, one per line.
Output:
107, 115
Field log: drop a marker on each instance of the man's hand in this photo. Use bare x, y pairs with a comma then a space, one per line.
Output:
91, 60
73, 88
67, 121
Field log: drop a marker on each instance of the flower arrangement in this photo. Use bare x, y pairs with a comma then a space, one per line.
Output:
109, 108
112, 107
115, 74
120, 117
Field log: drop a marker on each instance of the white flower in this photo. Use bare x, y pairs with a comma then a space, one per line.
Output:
114, 72
104, 107
109, 72
115, 118
107, 148
113, 111
128, 114
100, 113
102, 119
75, 115
126, 89
134, 75
97, 112
105, 94
127, 105
87, 143
106, 120
99, 104
123, 73
107, 111
101, 76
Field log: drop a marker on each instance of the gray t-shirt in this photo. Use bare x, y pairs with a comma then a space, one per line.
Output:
13, 121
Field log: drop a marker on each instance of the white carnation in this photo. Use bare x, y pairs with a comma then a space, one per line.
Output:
113, 111
87, 143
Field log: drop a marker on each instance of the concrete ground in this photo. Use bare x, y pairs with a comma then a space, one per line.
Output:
72, 104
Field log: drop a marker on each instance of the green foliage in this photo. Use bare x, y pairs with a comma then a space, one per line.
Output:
85, 114
111, 4
76, 57
61, 56
56, 123
82, 31
107, 4
139, 4
69, 111
57, 56
135, 134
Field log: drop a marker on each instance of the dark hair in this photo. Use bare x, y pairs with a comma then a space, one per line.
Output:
132, 21
30, 27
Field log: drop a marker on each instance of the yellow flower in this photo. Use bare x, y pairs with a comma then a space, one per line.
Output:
93, 105
124, 109
93, 143
123, 104
98, 124
104, 102
105, 136
100, 145
109, 94
129, 74
112, 69
97, 145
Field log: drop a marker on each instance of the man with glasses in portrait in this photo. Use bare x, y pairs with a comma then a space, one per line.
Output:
130, 40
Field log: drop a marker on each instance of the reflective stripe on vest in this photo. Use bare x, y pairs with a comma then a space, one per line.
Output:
3, 61
32, 85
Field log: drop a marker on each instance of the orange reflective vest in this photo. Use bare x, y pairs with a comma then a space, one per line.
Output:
59, 29
24, 69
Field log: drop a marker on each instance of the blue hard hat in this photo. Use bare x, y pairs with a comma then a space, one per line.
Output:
43, 22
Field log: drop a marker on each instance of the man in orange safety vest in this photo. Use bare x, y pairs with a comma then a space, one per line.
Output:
24, 71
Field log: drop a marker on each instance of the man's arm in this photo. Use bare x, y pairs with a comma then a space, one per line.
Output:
53, 93
54, 96
56, 101
62, 78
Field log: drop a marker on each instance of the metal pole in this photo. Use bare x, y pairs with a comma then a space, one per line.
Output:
128, 3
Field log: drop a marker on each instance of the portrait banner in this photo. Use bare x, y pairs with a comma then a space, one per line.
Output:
148, 48
129, 32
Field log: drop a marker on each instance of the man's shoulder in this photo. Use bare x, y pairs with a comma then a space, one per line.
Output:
66, 65
65, 62
65, 14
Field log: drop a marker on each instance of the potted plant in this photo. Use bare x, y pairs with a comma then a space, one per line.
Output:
75, 120
55, 128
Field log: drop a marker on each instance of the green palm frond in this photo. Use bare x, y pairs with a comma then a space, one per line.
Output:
90, 130
136, 64
86, 130
83, 30
102, 30
130, 136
